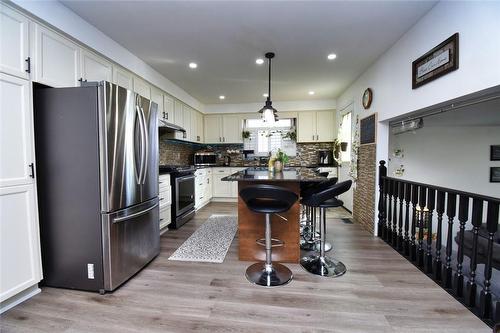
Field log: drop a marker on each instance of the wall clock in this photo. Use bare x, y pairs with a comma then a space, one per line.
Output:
367, 98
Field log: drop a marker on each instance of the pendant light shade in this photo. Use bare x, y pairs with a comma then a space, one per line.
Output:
269, 114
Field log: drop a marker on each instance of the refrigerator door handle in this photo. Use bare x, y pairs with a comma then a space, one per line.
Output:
146, 146
128, 217
141, 125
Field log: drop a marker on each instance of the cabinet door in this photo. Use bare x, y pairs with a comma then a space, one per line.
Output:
14, 34
142, 87
306, 126
326, 130
95, 68
221, 189
19, 240
16, 131
194, 125
231, 128
57, 59
178, 116
123, 78
213, 129
168, 107
199, 129
157, 97
186, 123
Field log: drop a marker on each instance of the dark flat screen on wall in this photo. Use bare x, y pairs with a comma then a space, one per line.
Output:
368, 129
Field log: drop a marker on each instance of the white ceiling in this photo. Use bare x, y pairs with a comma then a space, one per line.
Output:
225, 38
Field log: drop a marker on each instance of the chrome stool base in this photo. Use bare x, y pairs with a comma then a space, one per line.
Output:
308, 245
275, 275
323, 266
328, 247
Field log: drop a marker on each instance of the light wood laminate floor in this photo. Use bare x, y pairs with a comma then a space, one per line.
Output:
381, 292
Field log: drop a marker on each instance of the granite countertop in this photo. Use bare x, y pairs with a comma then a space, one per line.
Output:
287, 175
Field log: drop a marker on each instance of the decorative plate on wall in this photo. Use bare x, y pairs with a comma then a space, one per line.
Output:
367, 98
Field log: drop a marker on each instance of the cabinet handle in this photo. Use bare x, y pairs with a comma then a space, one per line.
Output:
220, 140
32, 167
161, 199
167, 115
223, 139
28, 61
313, 137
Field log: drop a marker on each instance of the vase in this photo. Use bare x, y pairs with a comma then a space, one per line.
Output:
278, 166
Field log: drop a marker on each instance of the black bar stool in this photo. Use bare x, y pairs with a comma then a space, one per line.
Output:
268, 199
310, 236
322, 264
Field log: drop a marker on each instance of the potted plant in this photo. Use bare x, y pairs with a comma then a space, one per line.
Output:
245, 135
280, 159
292, 135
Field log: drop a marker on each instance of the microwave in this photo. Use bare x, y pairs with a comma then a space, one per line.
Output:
205, 158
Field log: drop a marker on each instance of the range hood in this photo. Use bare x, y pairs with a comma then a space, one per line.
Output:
169, 127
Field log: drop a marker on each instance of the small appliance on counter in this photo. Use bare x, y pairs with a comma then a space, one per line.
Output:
325, 158
205, 158
182, 182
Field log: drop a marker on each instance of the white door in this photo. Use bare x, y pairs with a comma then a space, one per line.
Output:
306, 126
231, 129
212, 129
95, 68
326, 131
168, 105
142, 87
57, 59
16, 131
14, 36
19, 240
123, 78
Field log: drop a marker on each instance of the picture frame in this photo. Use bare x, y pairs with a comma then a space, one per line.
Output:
439, 61
495, 153
494, 174
368, 129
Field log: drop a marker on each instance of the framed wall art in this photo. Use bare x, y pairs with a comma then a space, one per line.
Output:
495, 153
439, 61
495, 175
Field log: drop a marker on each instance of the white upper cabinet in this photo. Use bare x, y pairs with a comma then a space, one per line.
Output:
326, 130
157, 97
57, 59
123, 78
232, 128
199, 127
142, 87
213, 129
316, 126
178, 113
14, 37
168, 106
186, 123
95, 68
16, 132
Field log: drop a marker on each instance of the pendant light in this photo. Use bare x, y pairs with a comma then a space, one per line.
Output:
269, 114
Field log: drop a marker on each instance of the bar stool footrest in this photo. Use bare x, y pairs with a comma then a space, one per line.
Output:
274, 242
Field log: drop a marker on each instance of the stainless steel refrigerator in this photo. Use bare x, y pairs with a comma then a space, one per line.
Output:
97, 179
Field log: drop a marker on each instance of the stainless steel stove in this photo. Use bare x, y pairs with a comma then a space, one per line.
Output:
182, 182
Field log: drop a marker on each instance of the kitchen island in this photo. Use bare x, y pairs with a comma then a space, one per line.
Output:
251, 225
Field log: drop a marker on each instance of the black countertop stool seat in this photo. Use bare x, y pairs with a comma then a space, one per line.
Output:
309, 231
268, 199
322, 264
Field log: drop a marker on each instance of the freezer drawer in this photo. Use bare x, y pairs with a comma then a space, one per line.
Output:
131, 239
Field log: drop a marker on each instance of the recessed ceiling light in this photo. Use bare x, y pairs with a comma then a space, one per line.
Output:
265, 95
259, 61
222, 97
193, 65
311, 92
332, 56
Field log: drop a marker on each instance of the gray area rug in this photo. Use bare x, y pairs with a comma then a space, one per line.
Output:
210, 242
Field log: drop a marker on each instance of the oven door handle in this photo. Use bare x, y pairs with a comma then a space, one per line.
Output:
184, 178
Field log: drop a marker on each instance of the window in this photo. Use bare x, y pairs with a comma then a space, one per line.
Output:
265, 137
345, 136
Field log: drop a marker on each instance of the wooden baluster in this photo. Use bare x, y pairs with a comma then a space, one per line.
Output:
382, 172
451, 210
485, 299
389, 212
477, 220
401, 195
431, 203
407, 219
414, 201
421, 202
386, 194
440, 210
463, 215
395, 192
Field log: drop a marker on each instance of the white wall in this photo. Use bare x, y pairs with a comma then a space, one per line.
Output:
62, 18
478, 25
305, 105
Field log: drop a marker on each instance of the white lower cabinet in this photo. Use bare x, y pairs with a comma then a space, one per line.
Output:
221, 189
165, 197
234, 185
202, 187
19, 240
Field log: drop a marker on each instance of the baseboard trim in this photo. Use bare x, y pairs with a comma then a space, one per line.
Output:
224, 200
19, 298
